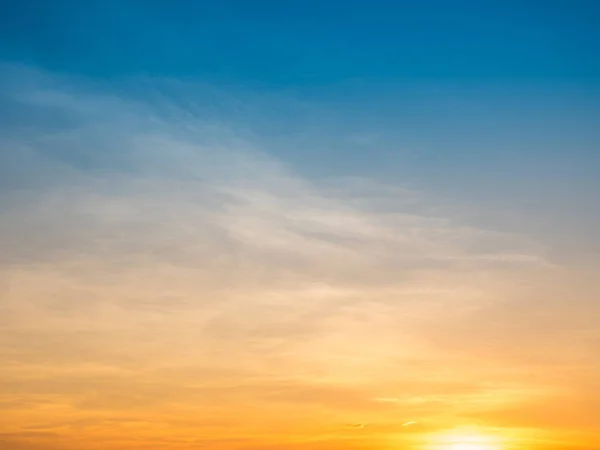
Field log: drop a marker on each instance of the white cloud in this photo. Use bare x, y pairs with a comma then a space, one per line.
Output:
142, 241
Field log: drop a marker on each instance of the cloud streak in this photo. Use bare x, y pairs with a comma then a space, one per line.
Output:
166, 277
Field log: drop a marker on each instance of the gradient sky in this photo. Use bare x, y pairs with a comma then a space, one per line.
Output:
236, 225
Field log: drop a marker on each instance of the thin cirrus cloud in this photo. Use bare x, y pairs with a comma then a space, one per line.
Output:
166, 277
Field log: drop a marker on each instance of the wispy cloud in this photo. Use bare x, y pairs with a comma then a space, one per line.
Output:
158, 267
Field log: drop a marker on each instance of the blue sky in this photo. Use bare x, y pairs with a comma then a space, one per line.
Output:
444, 95
301, 43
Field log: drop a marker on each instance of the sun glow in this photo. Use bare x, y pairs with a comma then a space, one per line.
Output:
464, 441
470, 446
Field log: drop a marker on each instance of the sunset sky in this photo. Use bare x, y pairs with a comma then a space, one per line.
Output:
299, 225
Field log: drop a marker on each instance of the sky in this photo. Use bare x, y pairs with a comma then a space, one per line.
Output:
236, 225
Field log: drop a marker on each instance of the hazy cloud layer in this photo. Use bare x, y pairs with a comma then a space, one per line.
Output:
169, 283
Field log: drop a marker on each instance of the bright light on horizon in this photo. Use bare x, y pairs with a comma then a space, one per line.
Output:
458, 440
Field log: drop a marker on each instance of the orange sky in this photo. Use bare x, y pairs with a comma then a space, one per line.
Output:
227, 302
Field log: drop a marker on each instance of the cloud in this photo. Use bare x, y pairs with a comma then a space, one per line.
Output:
162, 268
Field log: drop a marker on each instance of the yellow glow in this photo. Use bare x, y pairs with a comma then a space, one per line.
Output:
469, 446
462, 441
